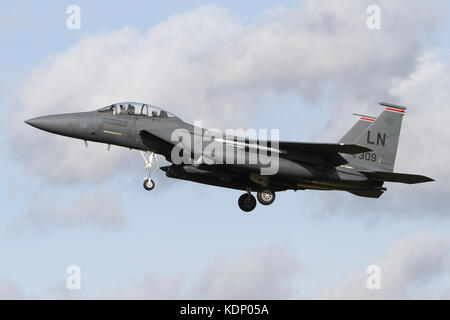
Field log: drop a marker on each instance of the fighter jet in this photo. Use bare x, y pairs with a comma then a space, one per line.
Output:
359, 163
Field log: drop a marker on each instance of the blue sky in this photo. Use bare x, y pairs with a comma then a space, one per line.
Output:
185, 229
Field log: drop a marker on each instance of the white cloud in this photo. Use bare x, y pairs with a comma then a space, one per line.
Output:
154, 286
264, 273
206, 65
261, 273
413, 268
10, 290
425, 130
97, 208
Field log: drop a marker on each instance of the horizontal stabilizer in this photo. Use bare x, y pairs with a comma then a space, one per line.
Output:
396, 177
323, 147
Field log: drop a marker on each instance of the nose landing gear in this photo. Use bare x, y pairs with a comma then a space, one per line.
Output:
149, 184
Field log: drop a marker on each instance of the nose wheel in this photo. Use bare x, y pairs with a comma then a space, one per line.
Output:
149, 184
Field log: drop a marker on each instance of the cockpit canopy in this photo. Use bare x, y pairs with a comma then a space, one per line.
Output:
136, 109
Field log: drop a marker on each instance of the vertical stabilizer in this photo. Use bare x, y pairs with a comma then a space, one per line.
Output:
382, 137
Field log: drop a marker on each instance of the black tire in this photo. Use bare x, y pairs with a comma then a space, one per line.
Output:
266, 197
247, 202
149, 184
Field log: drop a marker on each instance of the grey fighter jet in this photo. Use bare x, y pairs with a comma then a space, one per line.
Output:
360, 163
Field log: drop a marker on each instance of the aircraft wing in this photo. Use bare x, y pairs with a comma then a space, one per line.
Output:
396, 177
314, 153
319, 153
323, 147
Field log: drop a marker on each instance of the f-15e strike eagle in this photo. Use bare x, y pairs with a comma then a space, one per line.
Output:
360, 163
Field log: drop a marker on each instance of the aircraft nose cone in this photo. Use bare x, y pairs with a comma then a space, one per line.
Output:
46, 123
33, 122
59, 123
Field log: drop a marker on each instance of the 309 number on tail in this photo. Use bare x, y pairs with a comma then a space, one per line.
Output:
368, 156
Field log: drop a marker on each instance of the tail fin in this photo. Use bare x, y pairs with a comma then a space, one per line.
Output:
354, 132
382, 137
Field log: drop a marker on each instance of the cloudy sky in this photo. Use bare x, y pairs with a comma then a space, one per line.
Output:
302, 67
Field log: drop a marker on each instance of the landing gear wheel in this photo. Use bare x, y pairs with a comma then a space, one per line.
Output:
247, 202
149, 184
266, 197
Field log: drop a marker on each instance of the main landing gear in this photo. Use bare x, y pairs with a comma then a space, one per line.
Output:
247, 201
266, 197
149, 184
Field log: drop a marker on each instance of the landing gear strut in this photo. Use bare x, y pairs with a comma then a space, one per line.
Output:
149, 184
247, 201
